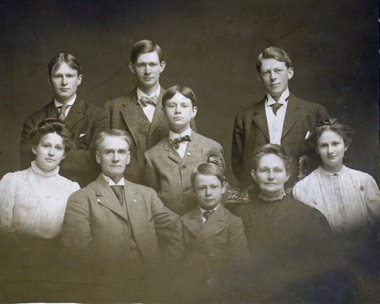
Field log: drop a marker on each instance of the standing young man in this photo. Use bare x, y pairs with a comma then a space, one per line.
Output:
139, 111
85, 120
279, 118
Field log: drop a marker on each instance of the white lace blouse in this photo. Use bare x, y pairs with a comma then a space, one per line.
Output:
349, 199
33, 202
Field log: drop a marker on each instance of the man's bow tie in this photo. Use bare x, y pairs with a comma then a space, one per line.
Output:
177, 141
148, 101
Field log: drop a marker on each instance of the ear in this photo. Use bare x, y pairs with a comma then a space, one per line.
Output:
290, 73
287, 177
316, 150
34, 150
131, 67
253, 174
64, 156
97, 156
223, 187
194, 112
258, 75
128, 160
48, 80
346, 147
162, 66
80, 77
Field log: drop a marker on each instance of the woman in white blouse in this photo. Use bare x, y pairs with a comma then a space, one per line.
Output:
349, 199
33, 201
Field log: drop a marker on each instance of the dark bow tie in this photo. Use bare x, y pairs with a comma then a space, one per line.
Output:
144, 101
177, 141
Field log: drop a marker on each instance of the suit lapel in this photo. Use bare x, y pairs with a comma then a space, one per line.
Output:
76, 112
108, 199
213, 226
293, 113
130, 111
193, 222
191, 147
159, 115
52, 110
172, 154
260, 118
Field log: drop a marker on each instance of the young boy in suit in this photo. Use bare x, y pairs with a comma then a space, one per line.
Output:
169, 164
208, 234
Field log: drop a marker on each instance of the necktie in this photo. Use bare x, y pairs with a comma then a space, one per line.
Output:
144, 101
275, 107
207, 214
118, 190
177, 141
62, 111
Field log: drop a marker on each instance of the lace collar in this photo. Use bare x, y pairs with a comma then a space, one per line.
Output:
277, 197
39, 171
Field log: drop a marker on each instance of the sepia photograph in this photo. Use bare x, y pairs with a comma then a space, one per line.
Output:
199, 151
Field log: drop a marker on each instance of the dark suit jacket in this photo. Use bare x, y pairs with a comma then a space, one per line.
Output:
123, 114
220, 239
251, 131
96, 225
169, 175
86, 121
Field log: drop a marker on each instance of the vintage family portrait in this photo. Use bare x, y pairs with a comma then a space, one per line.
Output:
189, 151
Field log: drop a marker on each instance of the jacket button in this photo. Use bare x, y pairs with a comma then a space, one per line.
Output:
212, 254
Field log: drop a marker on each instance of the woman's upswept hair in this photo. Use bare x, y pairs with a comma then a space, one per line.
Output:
270, 149
53, 125
332, 124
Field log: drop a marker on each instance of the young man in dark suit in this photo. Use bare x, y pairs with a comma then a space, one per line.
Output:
139, 111
279, 118
84, 119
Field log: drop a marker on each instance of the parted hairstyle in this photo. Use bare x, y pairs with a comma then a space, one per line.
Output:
332, 124
207, 169
274, 52
53, 125
185, 91
143, 47
69, 59
270, 149
113, 133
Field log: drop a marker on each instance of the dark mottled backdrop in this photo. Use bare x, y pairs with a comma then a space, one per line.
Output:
209, 46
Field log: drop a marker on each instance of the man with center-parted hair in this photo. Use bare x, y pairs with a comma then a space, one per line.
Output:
114, 227
139, 110
279, 118
85, 120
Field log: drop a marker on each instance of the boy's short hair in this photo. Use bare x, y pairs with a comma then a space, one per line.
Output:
143, 47
274, 52
113, 133
57, 60
207, 169
185, 91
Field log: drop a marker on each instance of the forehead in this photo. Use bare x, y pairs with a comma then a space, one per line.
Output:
330, 135
271, 161
63, 68
52, 138
179, 98
271, 63
148, 57
206, 179
114, 143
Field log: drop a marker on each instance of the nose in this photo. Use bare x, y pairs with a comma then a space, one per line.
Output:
272, 75
208, 191
329, 149
147, 69
115, 157
270, 175
178, 109
64, 80
51, 151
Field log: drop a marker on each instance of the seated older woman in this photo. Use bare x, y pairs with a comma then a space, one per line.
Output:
285, 237
33, 201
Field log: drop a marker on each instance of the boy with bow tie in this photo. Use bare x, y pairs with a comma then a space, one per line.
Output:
169, 164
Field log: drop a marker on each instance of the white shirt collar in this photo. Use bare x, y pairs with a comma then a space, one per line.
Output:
173, 135
142, 94
112, 183
282, 100
333, 173
71, 101
204, 210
